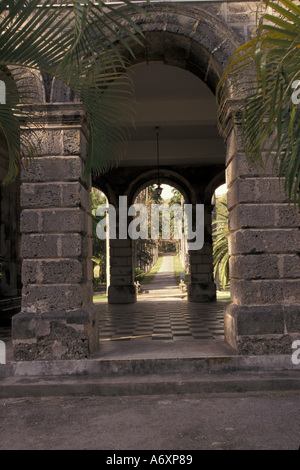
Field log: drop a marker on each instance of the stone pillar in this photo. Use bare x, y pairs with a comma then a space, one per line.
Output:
264, 244
202, 287
121, 288
57, 319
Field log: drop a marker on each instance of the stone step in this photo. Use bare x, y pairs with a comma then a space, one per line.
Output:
156, 366
241, 382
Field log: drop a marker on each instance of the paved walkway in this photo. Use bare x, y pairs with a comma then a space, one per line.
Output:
162, 324
163, 287
168, 425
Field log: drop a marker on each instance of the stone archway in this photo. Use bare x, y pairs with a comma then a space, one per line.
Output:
187, 37
57, 319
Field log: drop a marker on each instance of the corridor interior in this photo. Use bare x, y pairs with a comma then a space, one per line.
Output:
162, 322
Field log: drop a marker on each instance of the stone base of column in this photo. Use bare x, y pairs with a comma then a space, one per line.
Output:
257, 330
198, 292
121, 294
55, 335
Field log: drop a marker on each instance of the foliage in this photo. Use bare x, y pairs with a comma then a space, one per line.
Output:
261, 79
144, 247
74, 41
99, 246
176, 198
139, 274
179, 269
220, 243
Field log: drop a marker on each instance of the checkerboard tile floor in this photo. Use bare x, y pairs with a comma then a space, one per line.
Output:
162, 321
157, 321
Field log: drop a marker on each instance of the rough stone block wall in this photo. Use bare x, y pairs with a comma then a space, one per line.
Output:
121, 288
57, 319
202, 287
265, 264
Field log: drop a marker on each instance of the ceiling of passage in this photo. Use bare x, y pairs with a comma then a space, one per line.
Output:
185, 110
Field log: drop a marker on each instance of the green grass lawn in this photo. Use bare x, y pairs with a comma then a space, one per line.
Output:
223, 295
150, 275
99, 296
178, 269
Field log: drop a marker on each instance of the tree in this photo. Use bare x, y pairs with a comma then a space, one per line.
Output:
220, 242
145, 247
73, 41
176, 197
263, 79
99, 245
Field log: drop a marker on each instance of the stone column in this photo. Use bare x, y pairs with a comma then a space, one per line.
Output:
264, 244
202, 287
121, 288
57, 319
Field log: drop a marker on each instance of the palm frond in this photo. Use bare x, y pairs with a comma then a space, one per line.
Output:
74, 41
258, 79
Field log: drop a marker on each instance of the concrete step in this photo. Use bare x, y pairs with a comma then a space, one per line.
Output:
149, 376
149, 366
15, 387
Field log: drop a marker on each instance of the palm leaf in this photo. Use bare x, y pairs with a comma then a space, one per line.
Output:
258, 79
74, 42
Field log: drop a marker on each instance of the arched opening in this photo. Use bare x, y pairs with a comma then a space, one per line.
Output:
220, 235
10, 261
161, 263
100, 248
174, 78
10, 237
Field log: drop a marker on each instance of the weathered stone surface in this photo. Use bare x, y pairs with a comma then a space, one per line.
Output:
201, 292
40, 297
56, 320
255, 266
264, 241
292, 318
52, 246
255, 190
41, 195
260, 330
286, 216
258, 320
71, 142
65, 271
52, 220
51, 169
239, 166
59, 335
291, 266
262, 292
252, 216
265, 344
121, 294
